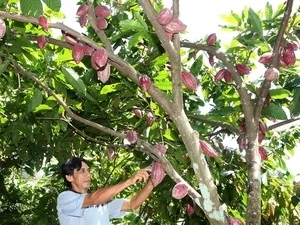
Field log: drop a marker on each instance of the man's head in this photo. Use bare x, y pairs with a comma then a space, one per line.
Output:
76, 174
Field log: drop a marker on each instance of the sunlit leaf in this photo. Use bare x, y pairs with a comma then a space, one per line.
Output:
32, 7
255, 22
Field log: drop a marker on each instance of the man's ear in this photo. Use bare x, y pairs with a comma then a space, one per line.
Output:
69, 178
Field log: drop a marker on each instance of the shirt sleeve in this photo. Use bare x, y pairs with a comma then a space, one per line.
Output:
70, 203
114, 208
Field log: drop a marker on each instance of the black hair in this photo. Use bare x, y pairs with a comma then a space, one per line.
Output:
68, 167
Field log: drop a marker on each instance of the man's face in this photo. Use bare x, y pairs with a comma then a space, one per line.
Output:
81, 179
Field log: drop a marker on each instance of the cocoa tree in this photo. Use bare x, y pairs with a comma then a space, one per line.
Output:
129, 87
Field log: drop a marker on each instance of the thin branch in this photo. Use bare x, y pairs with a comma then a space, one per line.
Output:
282, 123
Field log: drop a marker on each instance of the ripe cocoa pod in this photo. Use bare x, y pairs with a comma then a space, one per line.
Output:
234, 221
262, 127
145, 82
138, 113
131, 136
242, 69
180, 190
103, 73
88, 50
227, 76
150, 119
77, 52
102, 11
99, 58
43, 22
271, 74
111, 153
160, 148
211, 60
82, 20
220, 75
241, 140
41, 41
189, 80
265, 58
69, 38
82, 10
207, 149
190, 207
101, 23
157, 174
263, 153
211, 39
175, 26
164, 16
292, 45
289, 56
261, 136
2, 28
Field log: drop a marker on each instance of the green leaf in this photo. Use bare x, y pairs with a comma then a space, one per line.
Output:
268, 11
3, 66
141, 20
197, 65
135, 39
53, 4
42, 107
132, 25
255, 22
279, 93
31, 8
275, 112
296, 102
232, 20
36, 100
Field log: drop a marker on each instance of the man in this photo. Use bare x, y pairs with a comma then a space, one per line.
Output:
78, 207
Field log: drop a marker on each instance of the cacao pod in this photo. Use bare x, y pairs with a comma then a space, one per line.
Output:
138, 113
242, 69
82, 10
99, 58
263, 153
175, 26
145, 82
261, 136
150, 119
160, 148
207, 149
180, 190
111, 154
190, 207
265, 58
43, 22
82, 20
211, 60
271, 74
131, 136
292, 45
2, 28
77, 52
227, 76
104, 73
157, 174
241, 140
242, 125
164, 16
289, 57
170, 35
211, 39
189, 80
69, 38
101, 23
88, 50
102, 11
41, 41
282, 62
262, 127
220, 75
234, 221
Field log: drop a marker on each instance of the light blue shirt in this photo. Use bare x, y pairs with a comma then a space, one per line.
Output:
70, 211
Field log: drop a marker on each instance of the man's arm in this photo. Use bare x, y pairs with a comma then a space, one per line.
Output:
139, 198
102, 195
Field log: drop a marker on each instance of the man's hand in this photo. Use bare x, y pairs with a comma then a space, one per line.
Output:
139, 176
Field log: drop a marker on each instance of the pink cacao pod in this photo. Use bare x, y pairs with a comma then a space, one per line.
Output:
138, 113
242, 69
271, 74
77, 52
211, 60
211, 39
150, 119
82, 20
169, 35
102, 11
180, 190
2, 28
101, 23
262, 127
261, 136
220, 75
69, 38
242, 125
175, 26
145, 82
164, 16
131, 136
82, 10
103, 73
207, 149
111, 154
227, 76
43, 22
241, 140
263, 153
234, 221
160, 148
292, 45
190, 207
289, 57
265, 58
189, 80
88, 50
41, 41
99, 58
157, 174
